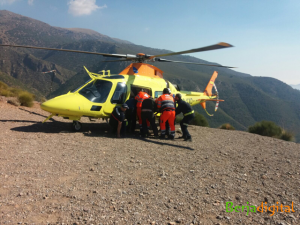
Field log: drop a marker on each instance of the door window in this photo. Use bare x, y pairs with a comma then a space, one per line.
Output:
120, 94
158, 93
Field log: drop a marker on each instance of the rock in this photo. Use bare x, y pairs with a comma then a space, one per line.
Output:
14, 102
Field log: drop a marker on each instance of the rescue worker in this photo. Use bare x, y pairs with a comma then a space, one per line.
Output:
130, 115
140, 97
148, 109
116, 122
188, 115
165, 103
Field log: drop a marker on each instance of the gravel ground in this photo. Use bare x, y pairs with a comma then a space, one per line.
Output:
50, 175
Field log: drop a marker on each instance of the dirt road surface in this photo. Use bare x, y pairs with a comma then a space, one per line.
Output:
51, 175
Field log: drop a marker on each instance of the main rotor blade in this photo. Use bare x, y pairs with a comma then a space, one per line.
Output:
119, 60
67, 50
207, 48
166, 60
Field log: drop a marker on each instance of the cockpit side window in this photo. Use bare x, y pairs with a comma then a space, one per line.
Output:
97, 91
120, 94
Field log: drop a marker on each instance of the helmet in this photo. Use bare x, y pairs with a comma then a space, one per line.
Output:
178, 96
166, 91
125, 106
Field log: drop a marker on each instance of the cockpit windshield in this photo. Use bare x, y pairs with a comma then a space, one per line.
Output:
97, 91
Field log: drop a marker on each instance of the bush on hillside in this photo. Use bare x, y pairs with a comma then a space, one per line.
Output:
9, 92
3, 86
5, 92
15, 92
287, 136
178, 119
43, 99
199, 120
266, 128
26, 99
227, 126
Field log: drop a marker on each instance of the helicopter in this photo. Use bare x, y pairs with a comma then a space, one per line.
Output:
103, 91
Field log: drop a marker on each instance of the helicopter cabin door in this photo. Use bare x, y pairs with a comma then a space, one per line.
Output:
118, 97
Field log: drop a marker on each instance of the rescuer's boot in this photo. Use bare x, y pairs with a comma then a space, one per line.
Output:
189, 139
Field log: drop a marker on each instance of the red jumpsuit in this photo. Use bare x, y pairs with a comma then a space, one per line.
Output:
167, 108
141, 96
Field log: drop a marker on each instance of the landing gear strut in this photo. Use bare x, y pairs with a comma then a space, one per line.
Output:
76, 125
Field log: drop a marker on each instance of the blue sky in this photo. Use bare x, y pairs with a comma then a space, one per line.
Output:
265, 33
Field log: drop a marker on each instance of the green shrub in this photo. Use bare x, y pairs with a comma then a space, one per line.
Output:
43, 99
26, 99
5, 92
227, 126
266, 128
3, 86
199, 120
16, 92
287, 136
178, 119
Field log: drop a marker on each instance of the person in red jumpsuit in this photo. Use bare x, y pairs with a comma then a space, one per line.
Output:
165, 103
140, 97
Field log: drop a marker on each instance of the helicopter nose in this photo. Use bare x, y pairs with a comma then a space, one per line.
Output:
64, 104
49, 105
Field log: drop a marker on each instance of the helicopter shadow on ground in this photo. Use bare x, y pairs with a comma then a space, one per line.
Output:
36, 114
88, 129
154, 141
103, 131
39, 127
56, 127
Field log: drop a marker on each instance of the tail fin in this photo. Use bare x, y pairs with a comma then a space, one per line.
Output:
208, 89
210, 84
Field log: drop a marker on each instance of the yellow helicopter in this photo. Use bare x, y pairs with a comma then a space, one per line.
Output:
98, 97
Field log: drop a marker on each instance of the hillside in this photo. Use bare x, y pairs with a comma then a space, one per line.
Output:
247, 99
104, 180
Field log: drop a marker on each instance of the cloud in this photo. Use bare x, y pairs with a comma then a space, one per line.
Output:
3, 2
30, 2
83, 7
